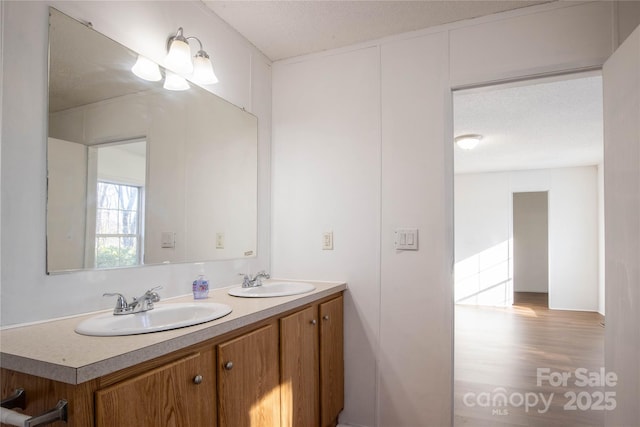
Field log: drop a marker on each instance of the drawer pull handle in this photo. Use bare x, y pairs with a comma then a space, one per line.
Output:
197, 379
228, 366
325, 317
313, 322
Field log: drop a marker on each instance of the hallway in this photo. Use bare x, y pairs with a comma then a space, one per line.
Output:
507, 362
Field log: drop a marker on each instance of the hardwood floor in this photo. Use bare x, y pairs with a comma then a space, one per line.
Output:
498, 352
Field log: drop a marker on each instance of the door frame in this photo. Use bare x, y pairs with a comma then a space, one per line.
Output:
450, 175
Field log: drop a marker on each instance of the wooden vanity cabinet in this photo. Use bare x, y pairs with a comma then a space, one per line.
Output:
284, 371
249, 380
177, 394
312, 365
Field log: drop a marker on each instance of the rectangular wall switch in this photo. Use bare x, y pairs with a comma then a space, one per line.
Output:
327, 241
406, 239
167, 239
219, 240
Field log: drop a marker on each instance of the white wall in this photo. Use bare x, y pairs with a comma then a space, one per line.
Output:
483, 220
601, 242
534, 43
362, 146
1, 131
483, 240
621, 81
326, 177
415, 105
67, 187
28, 294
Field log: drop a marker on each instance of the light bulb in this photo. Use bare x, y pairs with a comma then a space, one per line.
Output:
173, 81
179, 57
203, 69
146, 69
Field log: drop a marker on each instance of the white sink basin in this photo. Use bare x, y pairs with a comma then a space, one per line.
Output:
161, 318
272, 289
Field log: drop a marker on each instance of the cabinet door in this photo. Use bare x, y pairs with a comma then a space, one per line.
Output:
299, 369
248, 380
179, 394
331, 361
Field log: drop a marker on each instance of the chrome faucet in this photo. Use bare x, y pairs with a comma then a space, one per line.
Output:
138, 305
248, 282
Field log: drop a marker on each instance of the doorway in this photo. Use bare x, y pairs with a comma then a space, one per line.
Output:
531, 246
537, 136
527, 203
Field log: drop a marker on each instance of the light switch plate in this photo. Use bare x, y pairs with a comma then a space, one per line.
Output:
406, 239
327, 241
167, 239
219, 240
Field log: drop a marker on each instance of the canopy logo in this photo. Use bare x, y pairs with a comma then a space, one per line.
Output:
582, 399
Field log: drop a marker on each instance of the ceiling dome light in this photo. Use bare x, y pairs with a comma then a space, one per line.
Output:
468, 142
146, 69
173, 81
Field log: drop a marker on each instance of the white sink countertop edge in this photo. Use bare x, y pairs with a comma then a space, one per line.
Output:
53, 350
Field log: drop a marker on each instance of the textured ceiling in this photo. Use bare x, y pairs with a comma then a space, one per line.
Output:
283, 29
541, 125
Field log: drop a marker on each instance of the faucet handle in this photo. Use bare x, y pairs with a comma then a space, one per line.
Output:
121, 302
153, 295
246, 280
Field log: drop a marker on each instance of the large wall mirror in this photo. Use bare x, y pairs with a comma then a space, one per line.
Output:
138, 174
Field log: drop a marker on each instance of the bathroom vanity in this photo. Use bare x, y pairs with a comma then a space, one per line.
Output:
270, 362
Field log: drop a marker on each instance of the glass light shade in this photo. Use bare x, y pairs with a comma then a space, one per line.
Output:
146, 69
179, 57
468, 142
173, 81
203, 71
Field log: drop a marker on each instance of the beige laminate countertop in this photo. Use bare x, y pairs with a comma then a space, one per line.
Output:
55, 351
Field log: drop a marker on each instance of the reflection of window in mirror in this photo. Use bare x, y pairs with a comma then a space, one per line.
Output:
118, 231
116, 183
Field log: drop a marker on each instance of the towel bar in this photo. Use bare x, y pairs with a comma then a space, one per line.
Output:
18, 400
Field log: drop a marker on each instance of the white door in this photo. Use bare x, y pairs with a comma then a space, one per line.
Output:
621, 78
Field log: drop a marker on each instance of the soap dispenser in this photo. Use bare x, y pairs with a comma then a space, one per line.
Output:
201, 287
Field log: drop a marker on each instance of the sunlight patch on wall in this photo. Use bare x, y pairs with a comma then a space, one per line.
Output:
486, 278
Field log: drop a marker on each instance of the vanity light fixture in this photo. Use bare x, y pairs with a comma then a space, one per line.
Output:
468, 142
180, 61
146, 69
